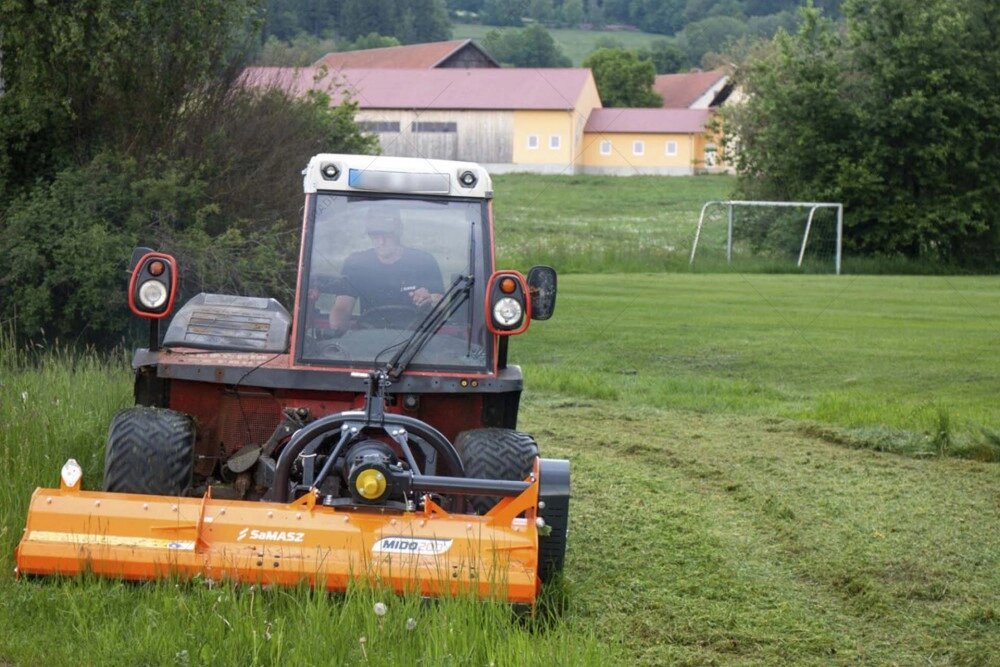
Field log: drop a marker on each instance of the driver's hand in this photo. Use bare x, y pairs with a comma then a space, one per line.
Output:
423, 297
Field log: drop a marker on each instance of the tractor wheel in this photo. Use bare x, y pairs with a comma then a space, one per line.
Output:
495, 453
150, 451
500, 453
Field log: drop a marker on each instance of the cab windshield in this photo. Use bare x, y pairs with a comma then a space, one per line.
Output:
376, 267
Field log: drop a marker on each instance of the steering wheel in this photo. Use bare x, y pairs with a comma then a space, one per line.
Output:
330, 348
387, 317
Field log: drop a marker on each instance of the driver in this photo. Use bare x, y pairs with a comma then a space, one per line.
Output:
388, 274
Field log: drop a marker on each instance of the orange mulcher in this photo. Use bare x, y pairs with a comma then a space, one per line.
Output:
369, 434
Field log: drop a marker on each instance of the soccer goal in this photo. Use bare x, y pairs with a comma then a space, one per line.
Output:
778, 230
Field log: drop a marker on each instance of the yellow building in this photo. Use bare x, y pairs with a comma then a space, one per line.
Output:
649, 141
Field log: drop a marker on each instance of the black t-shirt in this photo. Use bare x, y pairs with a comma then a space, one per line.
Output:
378, 284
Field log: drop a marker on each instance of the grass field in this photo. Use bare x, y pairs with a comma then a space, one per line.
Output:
575, 44
767, 469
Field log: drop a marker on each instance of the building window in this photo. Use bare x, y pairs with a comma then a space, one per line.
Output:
554, 142
433, 126
378, 126
671, 148
605, 147
638, 147
533, 141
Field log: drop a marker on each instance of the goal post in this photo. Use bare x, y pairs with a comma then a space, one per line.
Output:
731, 204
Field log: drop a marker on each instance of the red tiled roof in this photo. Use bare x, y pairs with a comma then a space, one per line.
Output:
661, 121
411, 56
680, 91
446, 88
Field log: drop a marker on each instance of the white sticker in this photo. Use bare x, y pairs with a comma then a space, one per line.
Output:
411, 545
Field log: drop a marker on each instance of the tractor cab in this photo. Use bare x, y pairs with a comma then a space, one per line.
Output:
397, 269
380, 270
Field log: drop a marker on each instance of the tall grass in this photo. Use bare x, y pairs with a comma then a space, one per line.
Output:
56, 404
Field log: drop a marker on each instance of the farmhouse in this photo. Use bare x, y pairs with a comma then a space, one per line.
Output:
508, 119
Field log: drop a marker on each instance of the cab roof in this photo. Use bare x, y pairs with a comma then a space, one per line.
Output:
396, 175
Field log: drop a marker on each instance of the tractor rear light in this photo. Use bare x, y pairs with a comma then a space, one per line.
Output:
507, 312
152, 294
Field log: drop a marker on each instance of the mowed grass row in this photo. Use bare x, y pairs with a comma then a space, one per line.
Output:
907, 364
702, 538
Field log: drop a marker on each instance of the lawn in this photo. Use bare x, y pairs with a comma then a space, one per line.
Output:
767, 469
731, 502
588, 224
575, 44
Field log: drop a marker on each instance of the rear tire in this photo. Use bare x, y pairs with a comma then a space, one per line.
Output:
495, 453
503, 454
150, 451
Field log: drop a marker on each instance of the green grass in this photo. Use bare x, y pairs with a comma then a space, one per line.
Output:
905, 364
597, 224
575, 44
55, 406
588, 224
729, 505
767, 469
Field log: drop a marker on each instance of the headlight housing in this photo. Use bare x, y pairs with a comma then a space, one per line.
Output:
508, 310
153, 285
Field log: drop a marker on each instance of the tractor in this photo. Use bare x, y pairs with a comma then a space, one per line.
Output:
369, 434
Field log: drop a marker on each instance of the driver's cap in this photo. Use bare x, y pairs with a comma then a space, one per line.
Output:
383, 222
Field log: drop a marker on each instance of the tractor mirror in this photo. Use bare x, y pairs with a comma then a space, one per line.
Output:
542, 287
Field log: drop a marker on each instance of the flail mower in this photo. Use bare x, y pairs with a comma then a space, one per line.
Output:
368, 435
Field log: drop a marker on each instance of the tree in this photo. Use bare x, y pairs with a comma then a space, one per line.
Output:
623, 80
199, 165
572, 12
372, 40
898, 117
930, 105
529, 47
503, 12
710, 34
104, 71
541, 11
422, 21
667, 57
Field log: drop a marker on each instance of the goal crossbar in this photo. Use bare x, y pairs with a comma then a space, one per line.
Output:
812, 206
